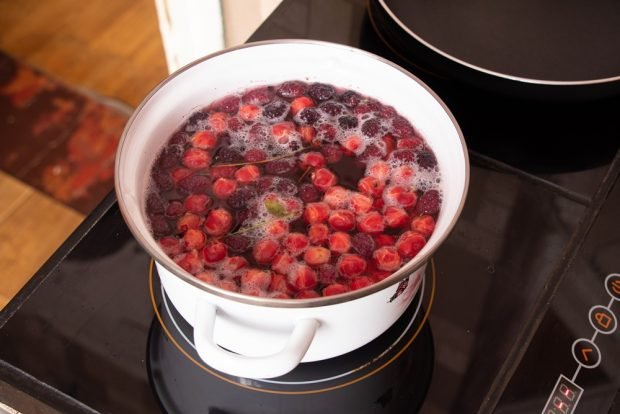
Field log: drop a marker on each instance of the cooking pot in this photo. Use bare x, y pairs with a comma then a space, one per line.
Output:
259, 337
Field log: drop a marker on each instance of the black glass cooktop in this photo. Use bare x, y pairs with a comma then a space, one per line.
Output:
525, 306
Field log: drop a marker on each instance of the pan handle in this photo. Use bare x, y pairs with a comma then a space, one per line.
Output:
268, 366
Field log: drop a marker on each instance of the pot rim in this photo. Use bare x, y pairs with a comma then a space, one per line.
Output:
396, 277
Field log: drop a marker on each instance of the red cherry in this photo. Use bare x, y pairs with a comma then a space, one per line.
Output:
334, 289
371, 223
307, 294
361, 203
247, 174
399, 196
371, 186
384, 240
315, 255
359, 282
249, 112
381, 170
395, 217
208, 276
318, 233
204, 140
337, 197
323, 178
197, 203
300, 103
302, 277
265, 250
196, 158
214, 252
218, 222
339, 242
190, 262
387, 259
194, 239
343, 220
316, 212
295, 243
255, 279
425, 225
170, 245
311, 159
277, 228
218, 121
224, 187
282, 262
350, 265
354, 144
188, 221
410, 243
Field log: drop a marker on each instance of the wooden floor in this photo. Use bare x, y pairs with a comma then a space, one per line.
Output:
110, 47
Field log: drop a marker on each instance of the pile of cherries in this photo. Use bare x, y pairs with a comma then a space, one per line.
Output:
294, 190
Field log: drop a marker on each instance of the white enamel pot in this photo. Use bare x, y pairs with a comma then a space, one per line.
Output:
257, 337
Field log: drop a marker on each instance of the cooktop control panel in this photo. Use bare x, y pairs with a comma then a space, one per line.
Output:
566, 393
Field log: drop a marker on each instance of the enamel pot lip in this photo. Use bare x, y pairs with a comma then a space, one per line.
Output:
149, 245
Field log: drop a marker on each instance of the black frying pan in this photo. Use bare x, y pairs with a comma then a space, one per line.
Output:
558, 49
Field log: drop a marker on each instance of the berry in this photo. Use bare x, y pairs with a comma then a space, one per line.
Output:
318, 233
279, 284
425, 225
259, 96
384, 240
282, 131
354, 144
360, 282
361, 203
327, 132
343, 220
214, 252
396, 195
169, 157
235, 124
327, 274
238, 243
247, 174
295, 243
350, 99
334, 289
323, 178
276, 110
332, 108
249, 112
339, 242
395, 217
242, 197
254, 279
409, 143
315, 255
277, 228
316, 212
370, 223
389, 142
195, 158
403, 175
347, 122
302, 277
229, 104
292, 89
308, 193
163, 180
265, 250
227, 155
372, 152
311, 159
218, 222
337, 197
282, 262
208, 276
196, 184
307, 133
402, 127
280, 167
309, 115
404, 155
332, 153
307, 294
222, 171
196, 203
286, 186
255, 155
204, 140
194, 239
371, 186
371, 127
190, 262
230, 265
350, 265
321, 92
218, 121
380, 170
410, 243
176, 209
224, 187
363, 244
188, 221
300, 103
170, 245
429, 203
387, 259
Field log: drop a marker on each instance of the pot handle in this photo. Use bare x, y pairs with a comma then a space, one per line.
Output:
268, 366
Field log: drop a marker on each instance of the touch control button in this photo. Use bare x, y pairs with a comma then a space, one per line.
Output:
612, 285
603, 319
586, 353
